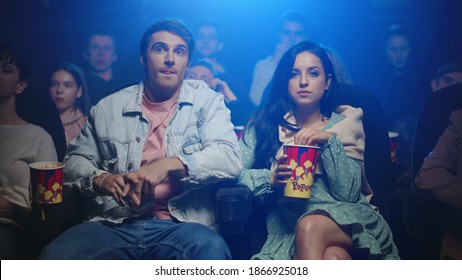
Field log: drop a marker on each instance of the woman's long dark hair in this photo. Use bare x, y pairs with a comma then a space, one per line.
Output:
270, 115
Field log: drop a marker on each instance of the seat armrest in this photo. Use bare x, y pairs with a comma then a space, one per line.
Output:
233, 208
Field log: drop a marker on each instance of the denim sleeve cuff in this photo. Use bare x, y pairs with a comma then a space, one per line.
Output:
188, 177
87, 183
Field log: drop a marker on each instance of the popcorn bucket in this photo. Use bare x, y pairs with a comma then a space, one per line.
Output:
46, 180
393, 142
303, 160
238, 130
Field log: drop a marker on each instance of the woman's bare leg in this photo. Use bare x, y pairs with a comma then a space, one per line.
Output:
336, 253
315, 234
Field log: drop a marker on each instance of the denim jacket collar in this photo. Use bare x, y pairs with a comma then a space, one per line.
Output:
134, 104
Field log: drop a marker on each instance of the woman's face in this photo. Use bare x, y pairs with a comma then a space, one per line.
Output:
64, 90
398, 51
308, 81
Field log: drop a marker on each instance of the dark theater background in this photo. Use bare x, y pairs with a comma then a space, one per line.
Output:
49, 31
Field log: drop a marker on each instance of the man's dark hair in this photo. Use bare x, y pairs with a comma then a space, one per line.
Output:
174, 26
293, 16
10, 55
448, 68
101, 32
208, 22
204, 63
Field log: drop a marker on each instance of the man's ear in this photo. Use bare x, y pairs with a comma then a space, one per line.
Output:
142, 60
433, 84
21, 86
220, 46
114, 58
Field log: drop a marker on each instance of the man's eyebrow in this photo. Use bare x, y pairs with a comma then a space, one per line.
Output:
165, 45
181, 46
160, 43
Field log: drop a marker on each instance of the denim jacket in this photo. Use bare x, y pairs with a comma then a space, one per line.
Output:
200, 134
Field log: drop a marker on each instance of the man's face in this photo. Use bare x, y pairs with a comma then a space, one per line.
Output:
446, 80
291, 33
398, 51
166, 61
200, 72
100, 53
207, 41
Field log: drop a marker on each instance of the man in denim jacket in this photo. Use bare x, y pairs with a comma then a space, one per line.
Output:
148, 157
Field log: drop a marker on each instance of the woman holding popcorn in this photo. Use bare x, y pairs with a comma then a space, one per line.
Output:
337, 222
21, 143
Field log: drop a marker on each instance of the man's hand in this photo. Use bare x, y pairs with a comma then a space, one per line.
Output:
280, 50
150, 175
13, 211
5, 207
118, 187
223, 88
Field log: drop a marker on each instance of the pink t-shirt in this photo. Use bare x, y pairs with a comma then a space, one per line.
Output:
159, 115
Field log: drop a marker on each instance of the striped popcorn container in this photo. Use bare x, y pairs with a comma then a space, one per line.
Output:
303, 160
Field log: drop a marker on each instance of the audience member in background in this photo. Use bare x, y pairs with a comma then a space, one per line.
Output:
209, 44
441, 173
401, 88
292, 28
68, 89
101, 76
337, 222
21, 143
447, 75
203, 70
148, 158
400, 82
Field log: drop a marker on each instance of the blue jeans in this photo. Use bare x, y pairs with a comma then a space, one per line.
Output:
138, 239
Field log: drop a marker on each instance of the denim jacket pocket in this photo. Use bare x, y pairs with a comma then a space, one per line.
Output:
192, 146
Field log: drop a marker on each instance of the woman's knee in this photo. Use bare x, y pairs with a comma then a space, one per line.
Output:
311, 226
336, 253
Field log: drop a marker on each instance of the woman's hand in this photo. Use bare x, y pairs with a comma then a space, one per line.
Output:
309, 136
281, 173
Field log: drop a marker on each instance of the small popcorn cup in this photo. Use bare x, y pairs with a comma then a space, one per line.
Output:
303, 160
46, 179
393, 136
238, 130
